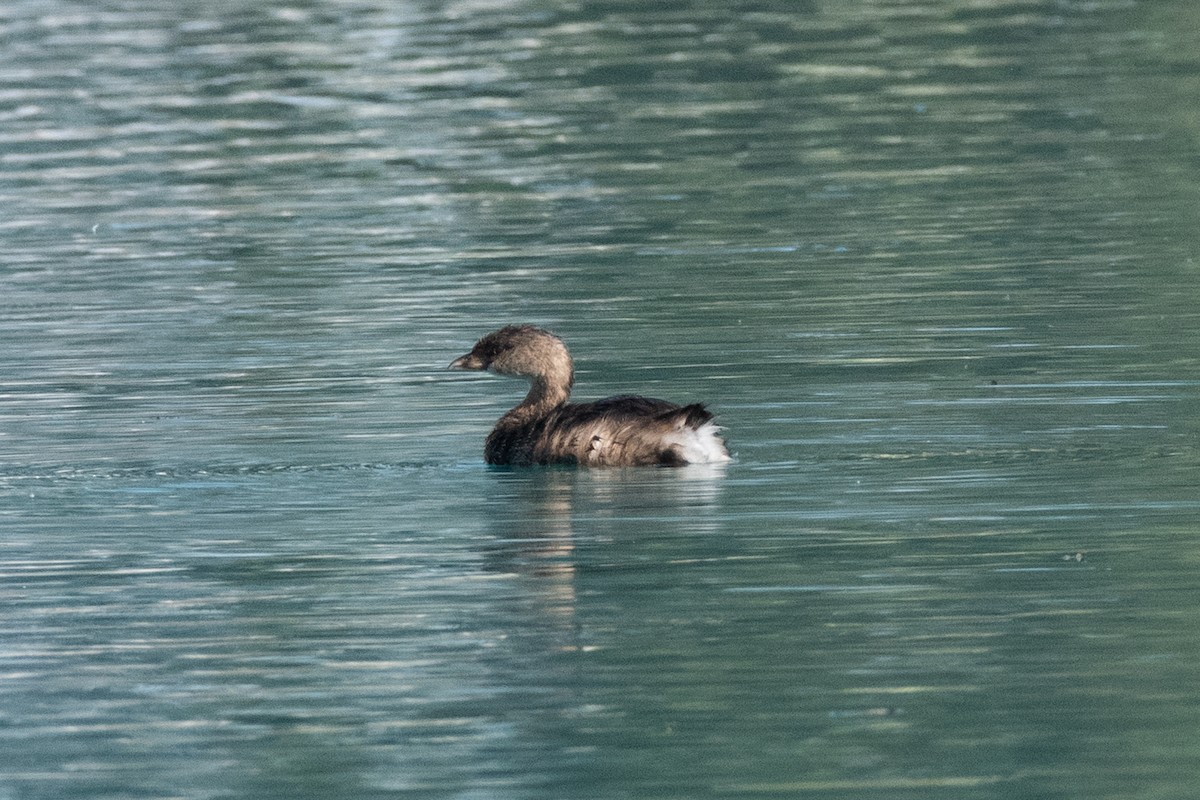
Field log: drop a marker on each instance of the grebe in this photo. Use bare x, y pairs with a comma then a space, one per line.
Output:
621, 431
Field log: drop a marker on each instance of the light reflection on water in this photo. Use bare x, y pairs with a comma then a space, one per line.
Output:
931, 263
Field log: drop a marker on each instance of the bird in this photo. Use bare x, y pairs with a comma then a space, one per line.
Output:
620, 431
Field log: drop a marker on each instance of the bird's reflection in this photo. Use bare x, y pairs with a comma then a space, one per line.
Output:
542, 517
531, 530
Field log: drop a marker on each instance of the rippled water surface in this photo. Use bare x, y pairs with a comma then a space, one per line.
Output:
933, 264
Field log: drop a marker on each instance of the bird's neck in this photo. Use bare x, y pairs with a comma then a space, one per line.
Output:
546, 393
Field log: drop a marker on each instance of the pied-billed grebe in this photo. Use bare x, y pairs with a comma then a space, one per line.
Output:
619, 431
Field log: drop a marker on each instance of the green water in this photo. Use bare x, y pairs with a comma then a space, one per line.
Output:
933, 264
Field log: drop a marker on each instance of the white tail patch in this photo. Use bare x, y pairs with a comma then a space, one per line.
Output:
701, 445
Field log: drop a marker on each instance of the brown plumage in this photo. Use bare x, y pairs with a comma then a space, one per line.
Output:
617, 431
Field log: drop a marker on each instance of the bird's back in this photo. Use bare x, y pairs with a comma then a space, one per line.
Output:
617, 431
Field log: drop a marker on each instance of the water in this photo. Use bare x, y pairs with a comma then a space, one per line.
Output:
932, 264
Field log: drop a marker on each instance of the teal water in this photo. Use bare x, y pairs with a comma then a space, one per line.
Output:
933, 264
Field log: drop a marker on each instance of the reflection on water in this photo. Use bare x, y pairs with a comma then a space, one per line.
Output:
550, 515
931, 263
